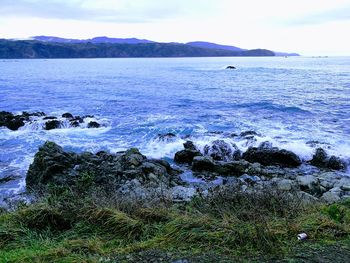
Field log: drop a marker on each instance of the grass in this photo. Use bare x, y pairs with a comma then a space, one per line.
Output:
67, 225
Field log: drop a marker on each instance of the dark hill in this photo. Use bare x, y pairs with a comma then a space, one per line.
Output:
41, 49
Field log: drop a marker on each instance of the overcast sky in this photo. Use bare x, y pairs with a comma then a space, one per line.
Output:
309, 27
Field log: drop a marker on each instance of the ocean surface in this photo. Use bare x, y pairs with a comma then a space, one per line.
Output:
297, 103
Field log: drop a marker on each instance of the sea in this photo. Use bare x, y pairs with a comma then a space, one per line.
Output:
296, 103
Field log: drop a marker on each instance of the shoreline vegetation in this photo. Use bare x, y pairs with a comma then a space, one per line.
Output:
125, 207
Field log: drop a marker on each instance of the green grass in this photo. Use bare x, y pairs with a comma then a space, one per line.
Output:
85, 226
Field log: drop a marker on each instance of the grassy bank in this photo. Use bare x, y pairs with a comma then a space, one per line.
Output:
66, 225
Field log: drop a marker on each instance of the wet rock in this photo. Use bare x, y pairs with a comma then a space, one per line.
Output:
322, 160
186, 156
220, 150
50, 118
272, 156
15, 124
10, 121
52, 165
166, 137
230, 67
189, 145
234, 168
201, 163
335, 163
248, 133
53, 124
93, 124
67, 115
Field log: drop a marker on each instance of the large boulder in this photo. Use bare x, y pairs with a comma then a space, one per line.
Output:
271, 156
322, 160
52, 124
220, 150
52, 165
202, 163
10, 121
187, 155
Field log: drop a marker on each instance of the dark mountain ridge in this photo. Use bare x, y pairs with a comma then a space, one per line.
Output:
62, 48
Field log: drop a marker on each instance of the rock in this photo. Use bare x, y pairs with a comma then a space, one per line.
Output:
331, 196
320, 159
182, 194
272, 156
249, 179
186, 156
15, 124
335, 163
52, 165
309, 183
67, 115
10, 121
284, 184
53, 124
234, 168
201, 163
248, 133
50, 118
93, 124
189, 145
220, 150
167, 136
230, 67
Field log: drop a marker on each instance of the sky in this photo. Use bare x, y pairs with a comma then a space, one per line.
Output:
308, 27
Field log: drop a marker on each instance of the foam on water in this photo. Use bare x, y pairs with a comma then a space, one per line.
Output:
297, 104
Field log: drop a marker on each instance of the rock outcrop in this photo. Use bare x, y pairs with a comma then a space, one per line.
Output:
53, 165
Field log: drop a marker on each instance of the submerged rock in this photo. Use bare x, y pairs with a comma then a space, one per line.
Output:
52, 165
93, 124
230, 67
272, 156
167, 136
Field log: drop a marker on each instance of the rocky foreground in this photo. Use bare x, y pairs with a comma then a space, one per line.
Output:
130, 172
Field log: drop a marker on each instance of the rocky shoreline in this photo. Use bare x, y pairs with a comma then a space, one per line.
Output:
131, 173
14, 122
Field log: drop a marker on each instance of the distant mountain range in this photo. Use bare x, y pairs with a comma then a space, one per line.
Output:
105, 47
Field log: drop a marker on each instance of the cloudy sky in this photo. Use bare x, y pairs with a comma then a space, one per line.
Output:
309, 27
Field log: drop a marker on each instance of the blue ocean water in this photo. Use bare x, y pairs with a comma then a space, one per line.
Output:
297, 103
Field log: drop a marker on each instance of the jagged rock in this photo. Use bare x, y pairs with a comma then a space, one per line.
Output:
332, 195
248, 133
202, 163
322, 160
220, 150
284, 184
167, 136
53, 124
272, 156
53, 165
93, 124
310, 184
12, 122
234, 168
182, 194
189, 145
67, 115
186, 156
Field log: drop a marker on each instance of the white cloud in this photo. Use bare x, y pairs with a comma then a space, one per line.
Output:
304, 26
